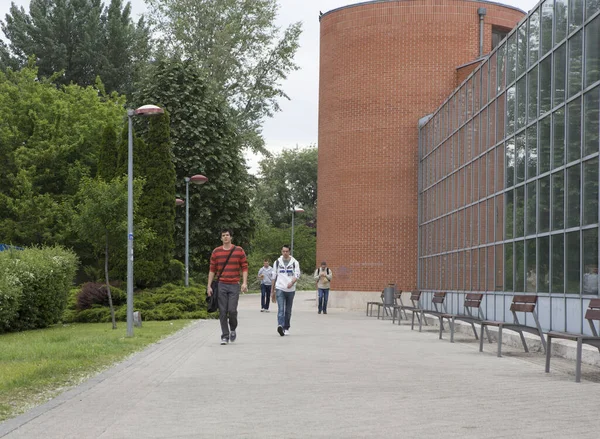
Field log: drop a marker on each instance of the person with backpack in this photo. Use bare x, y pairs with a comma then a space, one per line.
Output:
286, 273
226, 262
265, 274
323, 277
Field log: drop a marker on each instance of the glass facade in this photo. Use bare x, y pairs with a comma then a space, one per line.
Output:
509, 170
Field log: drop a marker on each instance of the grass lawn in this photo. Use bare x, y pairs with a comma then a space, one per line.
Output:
37, 365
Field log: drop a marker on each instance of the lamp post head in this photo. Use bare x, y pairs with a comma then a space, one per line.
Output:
148, 110
198, 179
179, 202
299, 210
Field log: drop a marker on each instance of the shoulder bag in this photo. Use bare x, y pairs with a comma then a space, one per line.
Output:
212, 302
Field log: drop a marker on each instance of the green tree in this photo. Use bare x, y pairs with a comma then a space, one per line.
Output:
204, 142
239, 47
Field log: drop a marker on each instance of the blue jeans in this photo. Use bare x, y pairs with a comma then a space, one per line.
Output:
285, 300
323, 298
265, 296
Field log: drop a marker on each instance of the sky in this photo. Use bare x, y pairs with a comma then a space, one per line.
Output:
296, 123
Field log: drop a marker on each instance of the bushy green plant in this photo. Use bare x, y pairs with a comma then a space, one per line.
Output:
93, 293
45, 275
10, 294
176, 271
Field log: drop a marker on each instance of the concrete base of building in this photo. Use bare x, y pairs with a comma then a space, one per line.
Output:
357, 300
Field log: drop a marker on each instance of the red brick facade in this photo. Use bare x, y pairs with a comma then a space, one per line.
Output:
383, 66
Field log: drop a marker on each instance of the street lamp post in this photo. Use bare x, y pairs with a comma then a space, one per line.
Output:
294, 210
196, 179
145, 110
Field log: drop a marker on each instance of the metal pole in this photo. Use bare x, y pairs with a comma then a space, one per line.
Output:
130, 227
292, 243
187, 230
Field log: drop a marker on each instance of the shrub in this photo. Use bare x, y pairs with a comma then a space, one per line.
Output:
176, 271
10, 294
97, 294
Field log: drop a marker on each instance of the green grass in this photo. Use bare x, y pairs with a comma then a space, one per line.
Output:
37, 365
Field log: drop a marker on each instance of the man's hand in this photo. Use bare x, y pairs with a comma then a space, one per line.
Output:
244, 288
209, 291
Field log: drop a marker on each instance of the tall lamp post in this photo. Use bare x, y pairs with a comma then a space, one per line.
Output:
144, 110
294, 210
196, 179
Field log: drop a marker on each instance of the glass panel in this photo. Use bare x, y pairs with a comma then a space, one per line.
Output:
592, 52
474, 269
490, 220
544, 159
590, 261
490, 269
491, 168
532, 154
575, 63
544, 205
534, 37
499, 217
558, 263
531, 208
483, 222
520, 157
500, 167
521, 49
574, 131
510, 162
508, 267
511, 58
493, 79
508, 220
572, 261
519, 211
482, 260
492, 122
519, 266
501, 73
573, 195
483, 130
590, 192
560, 19
558, 201
560, 65
510, 110
546, 25
592, 6
545, 84
544, 264
558, 144
530, 285
591, 121
521, 103
533, 90
575, 14
499, 268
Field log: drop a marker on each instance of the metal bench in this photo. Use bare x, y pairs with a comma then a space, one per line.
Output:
415, 298
523, 304
592, 313
372, 304
389, 309
472, 302
440, 308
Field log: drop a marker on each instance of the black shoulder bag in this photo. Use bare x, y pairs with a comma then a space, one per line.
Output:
212, 302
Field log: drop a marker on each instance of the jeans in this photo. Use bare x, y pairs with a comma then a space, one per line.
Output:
285, 300
323, 298
229, 296
265, 296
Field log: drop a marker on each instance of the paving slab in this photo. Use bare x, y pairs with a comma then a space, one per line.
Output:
341, 375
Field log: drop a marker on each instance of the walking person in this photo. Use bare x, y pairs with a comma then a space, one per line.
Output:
265, 274
286, 272
226, 262
323, 277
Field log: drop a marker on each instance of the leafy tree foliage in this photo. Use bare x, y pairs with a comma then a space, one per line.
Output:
239, 47
204, 142
80, 38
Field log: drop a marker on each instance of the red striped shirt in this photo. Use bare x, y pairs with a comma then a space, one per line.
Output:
237, 262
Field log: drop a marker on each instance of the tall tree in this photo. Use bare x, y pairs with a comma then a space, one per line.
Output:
236, 42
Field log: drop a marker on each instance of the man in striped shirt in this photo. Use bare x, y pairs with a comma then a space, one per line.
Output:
229, 283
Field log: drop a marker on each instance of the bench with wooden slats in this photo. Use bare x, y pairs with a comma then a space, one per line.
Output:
472, 303
592, 313
439, 309
389, 309
524, 304
415, 300
372, 304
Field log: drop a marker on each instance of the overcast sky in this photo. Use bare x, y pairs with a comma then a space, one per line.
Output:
296, 124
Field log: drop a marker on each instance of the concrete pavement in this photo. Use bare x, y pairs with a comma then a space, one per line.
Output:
339, 375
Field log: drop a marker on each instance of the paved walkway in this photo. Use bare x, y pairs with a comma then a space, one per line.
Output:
340, 375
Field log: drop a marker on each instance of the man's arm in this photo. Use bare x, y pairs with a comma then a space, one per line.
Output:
328, 276
245, 281
211, 276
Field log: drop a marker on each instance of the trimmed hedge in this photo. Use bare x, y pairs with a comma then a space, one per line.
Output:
35, 282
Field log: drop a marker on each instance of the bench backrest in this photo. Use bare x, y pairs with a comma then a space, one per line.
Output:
438, 298
593, 313
473, 300
415, 296
522, 303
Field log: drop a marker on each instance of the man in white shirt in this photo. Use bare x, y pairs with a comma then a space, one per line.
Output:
265, 274
286, 272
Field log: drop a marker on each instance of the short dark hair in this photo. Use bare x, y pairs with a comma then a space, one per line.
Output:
323, 263
266, 260
286, 246
227, 231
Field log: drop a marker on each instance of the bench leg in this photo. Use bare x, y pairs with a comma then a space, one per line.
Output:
474, 330
578, 364
500, 340
481, 339
441, 326
452, 331
421, 321
548, 350
523, 341
412, 321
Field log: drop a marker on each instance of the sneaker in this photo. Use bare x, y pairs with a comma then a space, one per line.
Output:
262, 310
324, 312
224, 340
232, 336
319, 312
266, 310
280, 330
286, 332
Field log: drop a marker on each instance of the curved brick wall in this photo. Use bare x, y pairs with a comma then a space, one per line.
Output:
383, 66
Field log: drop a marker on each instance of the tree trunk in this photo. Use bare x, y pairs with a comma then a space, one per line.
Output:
110, 302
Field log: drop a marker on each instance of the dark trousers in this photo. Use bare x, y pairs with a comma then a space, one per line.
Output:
229, 296
323, 298
285, 300
265, 296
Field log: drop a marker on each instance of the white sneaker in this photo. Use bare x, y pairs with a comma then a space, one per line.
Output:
286, 332
266, 310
